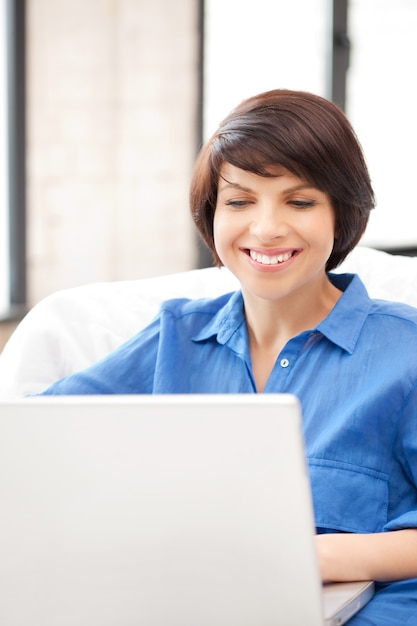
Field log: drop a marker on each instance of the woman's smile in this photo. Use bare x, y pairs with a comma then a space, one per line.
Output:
269, 259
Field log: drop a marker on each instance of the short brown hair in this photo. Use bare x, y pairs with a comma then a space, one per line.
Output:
309, 136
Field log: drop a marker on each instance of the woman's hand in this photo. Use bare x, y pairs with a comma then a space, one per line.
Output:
381, 556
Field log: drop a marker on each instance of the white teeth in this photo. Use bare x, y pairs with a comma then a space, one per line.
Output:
269, 260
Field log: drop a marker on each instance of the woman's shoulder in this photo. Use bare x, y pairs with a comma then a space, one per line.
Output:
357, 297
395, 310
395, 325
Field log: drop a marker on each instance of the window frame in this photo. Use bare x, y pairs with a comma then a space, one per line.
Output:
16, 158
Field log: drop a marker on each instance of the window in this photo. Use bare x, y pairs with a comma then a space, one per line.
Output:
255, 46
4, 191
380, 103
12, 159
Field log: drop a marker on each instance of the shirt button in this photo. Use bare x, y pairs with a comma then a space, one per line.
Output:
284, 362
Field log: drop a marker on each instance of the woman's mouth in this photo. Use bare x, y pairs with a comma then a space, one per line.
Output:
270, 259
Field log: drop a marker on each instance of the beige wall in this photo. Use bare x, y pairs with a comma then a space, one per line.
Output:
6, 329
111, 114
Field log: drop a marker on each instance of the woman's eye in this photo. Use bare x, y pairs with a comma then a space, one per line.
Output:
303, 204
237, 204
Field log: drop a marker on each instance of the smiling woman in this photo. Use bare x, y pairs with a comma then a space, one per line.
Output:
281, 194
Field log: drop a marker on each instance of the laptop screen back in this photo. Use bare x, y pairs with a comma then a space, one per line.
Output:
156, 510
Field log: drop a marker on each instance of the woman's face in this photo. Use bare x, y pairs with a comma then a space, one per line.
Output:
274, 233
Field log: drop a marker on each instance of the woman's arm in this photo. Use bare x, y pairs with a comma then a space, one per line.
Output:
381, 556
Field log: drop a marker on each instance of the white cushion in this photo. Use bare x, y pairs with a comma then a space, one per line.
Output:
386, 276
72, 328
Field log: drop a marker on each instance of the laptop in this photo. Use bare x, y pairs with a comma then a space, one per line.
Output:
181, 510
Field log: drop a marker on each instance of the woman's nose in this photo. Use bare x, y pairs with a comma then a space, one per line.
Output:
269, 223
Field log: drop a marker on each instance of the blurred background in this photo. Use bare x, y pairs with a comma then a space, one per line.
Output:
104, 105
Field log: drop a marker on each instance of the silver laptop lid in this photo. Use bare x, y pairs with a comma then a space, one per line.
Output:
156, 510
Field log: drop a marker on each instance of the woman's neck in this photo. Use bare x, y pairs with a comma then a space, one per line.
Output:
272, 323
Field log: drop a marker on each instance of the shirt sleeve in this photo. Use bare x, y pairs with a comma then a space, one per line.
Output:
126, 370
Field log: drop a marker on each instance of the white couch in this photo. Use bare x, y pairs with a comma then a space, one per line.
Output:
75, 327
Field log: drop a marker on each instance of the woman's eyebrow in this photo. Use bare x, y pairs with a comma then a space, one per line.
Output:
229, 183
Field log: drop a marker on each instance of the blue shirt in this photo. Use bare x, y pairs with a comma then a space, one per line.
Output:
355, 375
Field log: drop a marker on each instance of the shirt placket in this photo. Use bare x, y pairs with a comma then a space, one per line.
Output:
282, 374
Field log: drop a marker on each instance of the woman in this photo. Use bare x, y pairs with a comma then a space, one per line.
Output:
281, 194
